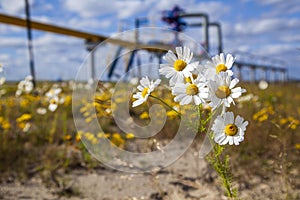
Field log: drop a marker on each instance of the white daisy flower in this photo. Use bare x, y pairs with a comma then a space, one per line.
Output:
28, 78
41, 111
219, 64
25, 85
26, 127
2, 80
145, 88
223, 91
196, 74
53, 103
2, 92
179, 66
229, 130
194, 91
54, 91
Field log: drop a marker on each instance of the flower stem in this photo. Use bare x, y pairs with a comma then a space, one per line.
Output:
165, 104
53, 128
221, 167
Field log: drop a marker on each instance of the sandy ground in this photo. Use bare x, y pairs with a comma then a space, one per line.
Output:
188, 178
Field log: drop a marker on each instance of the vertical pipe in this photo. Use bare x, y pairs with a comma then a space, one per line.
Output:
239, 72
220, 45
265, 74
272, 75
205, 33
219, 33
285, 75
205, 26
137, 26
30, 47
93, 65
252, 74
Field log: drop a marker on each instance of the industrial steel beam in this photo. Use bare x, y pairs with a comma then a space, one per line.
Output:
80, 34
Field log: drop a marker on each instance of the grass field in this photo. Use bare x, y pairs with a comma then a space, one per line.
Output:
38, 139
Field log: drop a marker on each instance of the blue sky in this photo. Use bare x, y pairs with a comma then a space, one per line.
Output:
269, 28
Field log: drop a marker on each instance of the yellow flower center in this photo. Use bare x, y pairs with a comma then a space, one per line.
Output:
179, 65
192, 89
53, 101
221, 68
145, 92
189, 80
223, 92
231, 129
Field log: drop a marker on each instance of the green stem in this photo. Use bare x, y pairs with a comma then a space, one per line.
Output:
64, 121
165, 104
225, 178
53, 128
220, 166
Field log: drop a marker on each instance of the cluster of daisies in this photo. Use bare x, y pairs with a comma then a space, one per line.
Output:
211, 83
52, 96
25, 86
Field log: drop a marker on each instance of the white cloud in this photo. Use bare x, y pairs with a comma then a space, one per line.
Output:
127, 9
49, 39
274, 49
42, 19
280, 7
292, 38
215, 9
117, 9
55, 56
16, 42
90, 8
89, 25
14, 7
269, 25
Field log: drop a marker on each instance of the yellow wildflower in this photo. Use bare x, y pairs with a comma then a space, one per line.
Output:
263, 118
283, 121
67, 137
172, 114
4, 124
89, 119
293, 126
68, 100
86, 114
101, 135
144, 115
78, 136
129, 136
24, 117
297, 146
21, 125
117, 139
24, 103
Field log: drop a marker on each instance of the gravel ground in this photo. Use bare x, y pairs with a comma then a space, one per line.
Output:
188, 178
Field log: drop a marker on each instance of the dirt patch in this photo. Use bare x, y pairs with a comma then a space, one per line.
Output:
188, 178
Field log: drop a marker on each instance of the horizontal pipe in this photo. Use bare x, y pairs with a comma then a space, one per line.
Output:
80, 34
